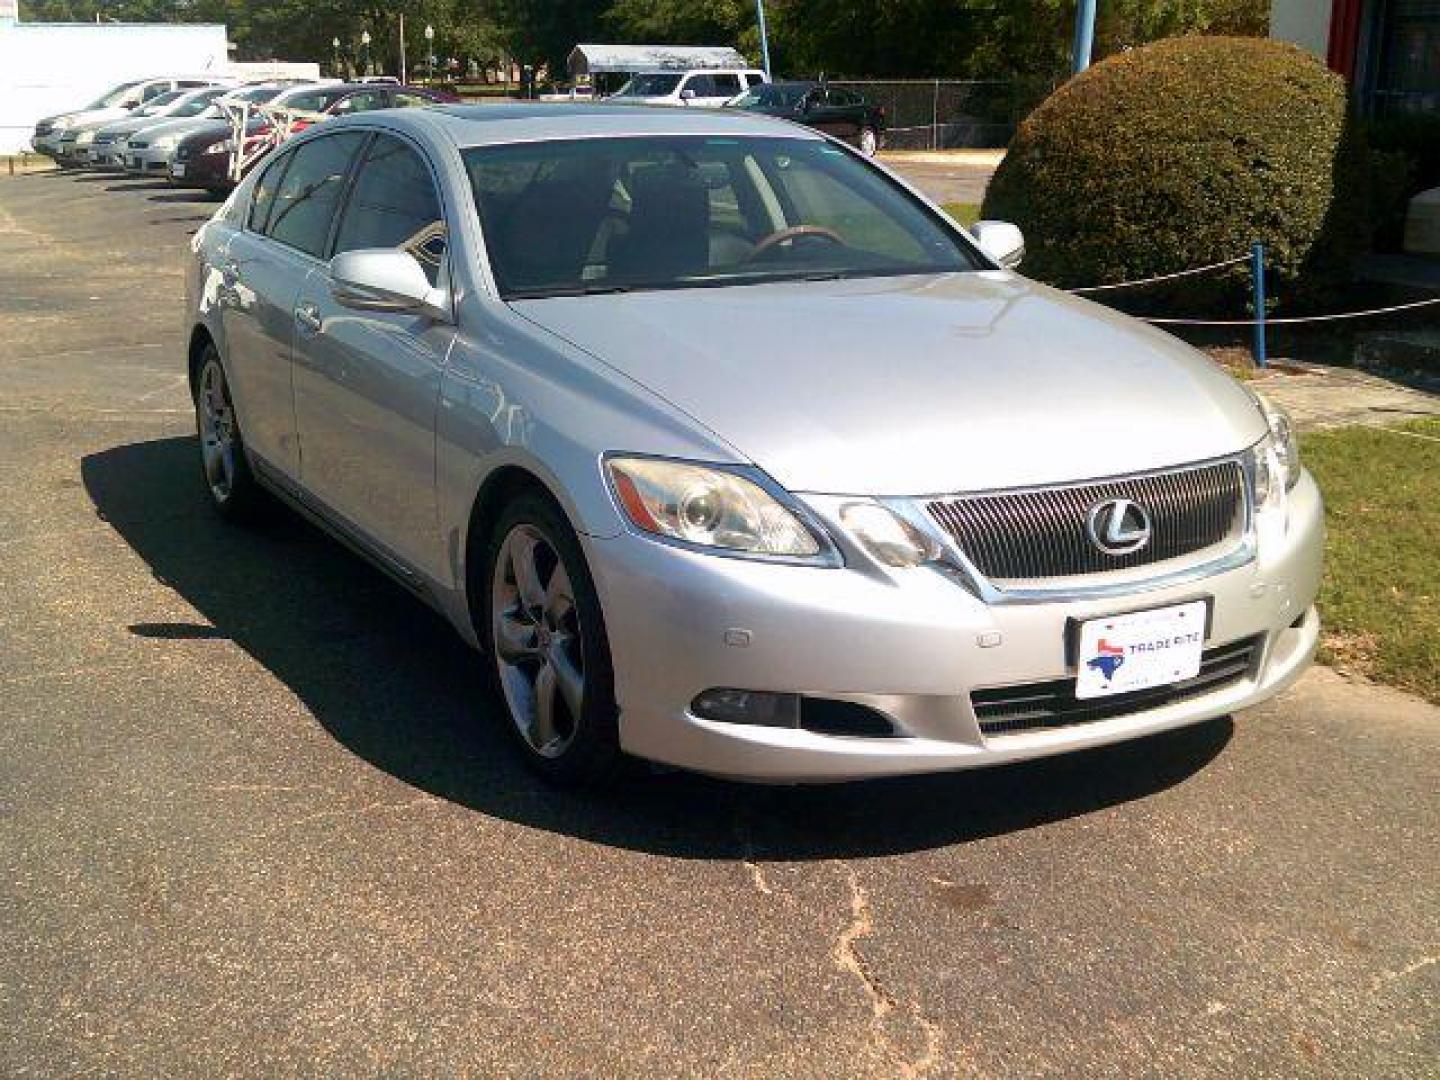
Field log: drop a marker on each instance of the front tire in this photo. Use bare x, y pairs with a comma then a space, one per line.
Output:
232, 486
546, 647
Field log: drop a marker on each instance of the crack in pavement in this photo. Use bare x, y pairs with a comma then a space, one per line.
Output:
883, 1003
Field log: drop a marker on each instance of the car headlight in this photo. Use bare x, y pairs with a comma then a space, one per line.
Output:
888, 536
165, 142
1276, 458
710, 506
61, 124
224, 146
85, 138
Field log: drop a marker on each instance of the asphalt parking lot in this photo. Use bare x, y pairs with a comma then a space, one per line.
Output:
256, 815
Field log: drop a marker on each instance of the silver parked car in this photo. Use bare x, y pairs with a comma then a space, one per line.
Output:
730, 451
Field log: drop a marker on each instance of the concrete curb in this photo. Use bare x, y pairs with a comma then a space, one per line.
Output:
977, 158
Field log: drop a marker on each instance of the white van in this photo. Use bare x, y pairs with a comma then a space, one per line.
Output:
706, 88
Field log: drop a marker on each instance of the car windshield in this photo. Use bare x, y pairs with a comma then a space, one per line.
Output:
158, 105
315, 100
653, 85
771, 96
606, 215
111, 98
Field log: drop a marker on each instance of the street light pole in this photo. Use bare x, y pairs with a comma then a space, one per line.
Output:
765, 37
403, 79
1084, 36
430, 49
365, 52
335, 51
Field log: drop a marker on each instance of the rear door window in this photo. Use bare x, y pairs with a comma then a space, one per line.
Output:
262, 197
307, 196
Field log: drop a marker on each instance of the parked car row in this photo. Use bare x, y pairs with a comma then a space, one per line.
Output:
184, 130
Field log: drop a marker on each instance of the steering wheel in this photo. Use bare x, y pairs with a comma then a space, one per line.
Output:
794, 232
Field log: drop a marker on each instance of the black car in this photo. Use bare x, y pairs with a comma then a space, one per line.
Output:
834, 110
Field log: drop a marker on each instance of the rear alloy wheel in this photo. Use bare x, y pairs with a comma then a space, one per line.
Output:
227, 473
869, 142
545, 638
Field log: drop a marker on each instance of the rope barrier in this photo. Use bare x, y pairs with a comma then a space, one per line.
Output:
1161, 277
1294, 318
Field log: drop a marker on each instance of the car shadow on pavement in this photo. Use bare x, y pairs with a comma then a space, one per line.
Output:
139, 185
188, 196
394, 685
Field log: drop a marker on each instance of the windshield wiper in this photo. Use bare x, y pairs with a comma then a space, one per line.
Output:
579, 290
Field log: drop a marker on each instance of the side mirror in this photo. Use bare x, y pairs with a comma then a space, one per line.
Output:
1003, 242
386, 279
687, 95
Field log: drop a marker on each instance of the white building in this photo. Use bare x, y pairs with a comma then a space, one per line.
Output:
47, 68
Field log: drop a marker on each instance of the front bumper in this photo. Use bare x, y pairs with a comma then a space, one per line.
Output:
149, 161
910, 645
210, 171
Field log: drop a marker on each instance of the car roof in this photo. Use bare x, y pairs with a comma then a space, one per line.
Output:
488, 125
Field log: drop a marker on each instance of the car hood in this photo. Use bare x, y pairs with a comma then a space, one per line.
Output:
916, 385
93, 117
192, 132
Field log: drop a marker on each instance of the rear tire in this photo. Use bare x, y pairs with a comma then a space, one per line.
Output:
234, 492
546, 649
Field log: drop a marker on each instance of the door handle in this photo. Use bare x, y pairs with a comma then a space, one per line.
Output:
308, 316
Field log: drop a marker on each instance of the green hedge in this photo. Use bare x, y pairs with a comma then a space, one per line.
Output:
1182, 153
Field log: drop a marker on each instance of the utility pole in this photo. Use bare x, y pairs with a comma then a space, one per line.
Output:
1084, 36
764, 36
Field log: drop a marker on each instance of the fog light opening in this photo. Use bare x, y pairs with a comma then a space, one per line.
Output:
758, 707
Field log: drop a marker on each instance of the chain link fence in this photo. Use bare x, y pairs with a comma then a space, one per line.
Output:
949, 114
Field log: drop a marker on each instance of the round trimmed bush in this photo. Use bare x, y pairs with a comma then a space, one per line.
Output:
1184, 153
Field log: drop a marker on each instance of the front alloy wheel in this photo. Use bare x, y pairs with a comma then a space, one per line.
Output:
548, 653
536, 630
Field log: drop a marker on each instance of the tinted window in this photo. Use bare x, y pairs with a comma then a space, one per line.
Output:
653, 85
307, 195
263, 195
154, 90
393, 204
723, 85
405, 100
572, 216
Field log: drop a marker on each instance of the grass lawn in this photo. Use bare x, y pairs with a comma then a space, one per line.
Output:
963, 212
1380, 603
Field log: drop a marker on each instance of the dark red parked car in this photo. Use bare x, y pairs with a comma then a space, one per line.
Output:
204, 158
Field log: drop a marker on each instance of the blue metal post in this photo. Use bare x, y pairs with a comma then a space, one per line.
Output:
764, 36
1084, 36
1257, 281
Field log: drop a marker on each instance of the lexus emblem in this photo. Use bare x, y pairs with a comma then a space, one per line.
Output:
1118, 526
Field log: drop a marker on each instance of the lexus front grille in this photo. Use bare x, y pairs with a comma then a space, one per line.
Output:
1043, 532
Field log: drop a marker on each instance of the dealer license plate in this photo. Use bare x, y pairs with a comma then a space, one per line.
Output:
1141, 650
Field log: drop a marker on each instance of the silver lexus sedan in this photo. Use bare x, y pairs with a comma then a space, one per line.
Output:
728, 450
